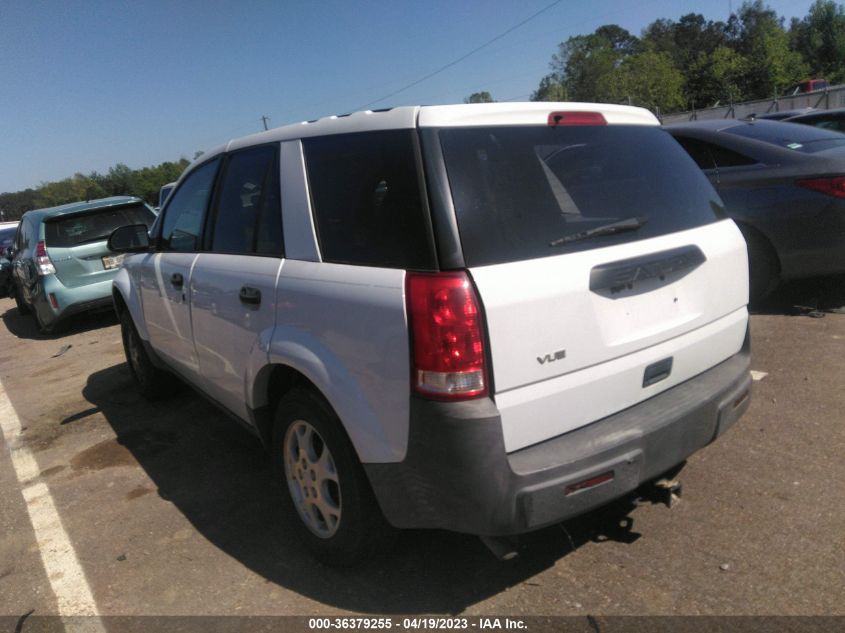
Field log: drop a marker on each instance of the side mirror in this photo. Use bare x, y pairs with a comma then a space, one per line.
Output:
129, 239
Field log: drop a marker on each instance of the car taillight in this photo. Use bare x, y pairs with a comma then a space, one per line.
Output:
42, 260
831, 186
576, 118
447, 338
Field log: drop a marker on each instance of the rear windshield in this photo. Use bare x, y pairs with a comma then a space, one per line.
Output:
525, 192
94, 226
800, 138
7, 236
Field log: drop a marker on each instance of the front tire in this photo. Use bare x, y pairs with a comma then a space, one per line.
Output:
152, 383
327, 492
763, 266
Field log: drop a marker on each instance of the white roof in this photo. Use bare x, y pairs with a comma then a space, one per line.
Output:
462, 115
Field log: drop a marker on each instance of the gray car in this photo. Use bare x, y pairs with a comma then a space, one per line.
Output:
784, 185
827, 119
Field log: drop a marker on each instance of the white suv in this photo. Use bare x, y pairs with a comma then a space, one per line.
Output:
484, 318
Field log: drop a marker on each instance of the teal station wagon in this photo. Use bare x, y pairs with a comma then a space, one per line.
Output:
61, 264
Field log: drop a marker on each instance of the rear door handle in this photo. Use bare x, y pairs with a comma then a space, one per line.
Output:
249, 295
177, 280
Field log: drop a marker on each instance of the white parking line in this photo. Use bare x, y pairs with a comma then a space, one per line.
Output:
66, 576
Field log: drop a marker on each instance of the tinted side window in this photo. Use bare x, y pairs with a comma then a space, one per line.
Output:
366, 198
698, 151
185, 212
723, 157
248, 216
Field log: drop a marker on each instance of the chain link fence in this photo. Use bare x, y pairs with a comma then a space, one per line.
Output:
833, 97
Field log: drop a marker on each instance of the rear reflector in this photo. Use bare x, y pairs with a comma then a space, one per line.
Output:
588, 483
576, 118
831, 186
447, 342
53, 301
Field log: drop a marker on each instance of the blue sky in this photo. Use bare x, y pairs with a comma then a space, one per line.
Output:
85, 85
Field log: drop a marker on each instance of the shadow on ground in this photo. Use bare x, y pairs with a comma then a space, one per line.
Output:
216, 474
23, 325
806, 297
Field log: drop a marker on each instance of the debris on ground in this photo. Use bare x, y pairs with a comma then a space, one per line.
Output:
61, 351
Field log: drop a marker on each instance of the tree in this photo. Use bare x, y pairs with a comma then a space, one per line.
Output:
550, 89
760, 37
820, 39
479, 97
582, 61
648, 79
690, 42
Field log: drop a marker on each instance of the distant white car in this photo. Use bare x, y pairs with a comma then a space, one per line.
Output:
484, 318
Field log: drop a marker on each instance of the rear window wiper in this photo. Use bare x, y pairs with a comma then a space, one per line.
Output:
628, 224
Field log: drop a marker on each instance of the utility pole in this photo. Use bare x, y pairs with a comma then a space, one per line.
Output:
264, 119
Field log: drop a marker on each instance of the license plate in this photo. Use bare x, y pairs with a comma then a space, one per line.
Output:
113, 261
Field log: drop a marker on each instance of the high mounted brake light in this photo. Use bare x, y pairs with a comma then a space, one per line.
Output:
447, 341
43, 264
576, 118
831, 186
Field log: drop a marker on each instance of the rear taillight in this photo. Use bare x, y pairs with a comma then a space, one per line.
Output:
447, 338
831, 186
42, 260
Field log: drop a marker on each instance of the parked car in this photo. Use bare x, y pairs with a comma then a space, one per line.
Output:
483, 318
163, 193
808, 85
784, 185
7, 240
825, 119
61, 265
780, 115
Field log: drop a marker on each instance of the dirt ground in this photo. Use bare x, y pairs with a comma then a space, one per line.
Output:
170, 507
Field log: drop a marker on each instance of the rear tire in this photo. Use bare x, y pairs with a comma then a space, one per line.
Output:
22, 307
327, 494
763, 266
152, 383
43, 327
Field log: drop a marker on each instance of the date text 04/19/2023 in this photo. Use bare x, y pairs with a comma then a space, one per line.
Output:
416, 623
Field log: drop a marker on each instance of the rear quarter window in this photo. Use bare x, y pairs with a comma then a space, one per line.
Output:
367, 199
518, 189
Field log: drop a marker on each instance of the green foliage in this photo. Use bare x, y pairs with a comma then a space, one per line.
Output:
648, 79
772, 66
583, 61
120, 180
751, 56
550, 89
480, 97
820, 39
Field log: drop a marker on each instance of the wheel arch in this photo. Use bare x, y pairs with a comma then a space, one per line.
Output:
293, 365
748, 228
126, 297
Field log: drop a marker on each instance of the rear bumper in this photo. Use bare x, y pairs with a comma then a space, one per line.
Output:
457, 476
71, 300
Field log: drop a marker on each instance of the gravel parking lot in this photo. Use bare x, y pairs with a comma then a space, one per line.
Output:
169, 508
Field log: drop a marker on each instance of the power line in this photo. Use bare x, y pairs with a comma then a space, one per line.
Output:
460, 59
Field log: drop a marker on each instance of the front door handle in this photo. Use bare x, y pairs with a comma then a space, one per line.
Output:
177, 280
251, 296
